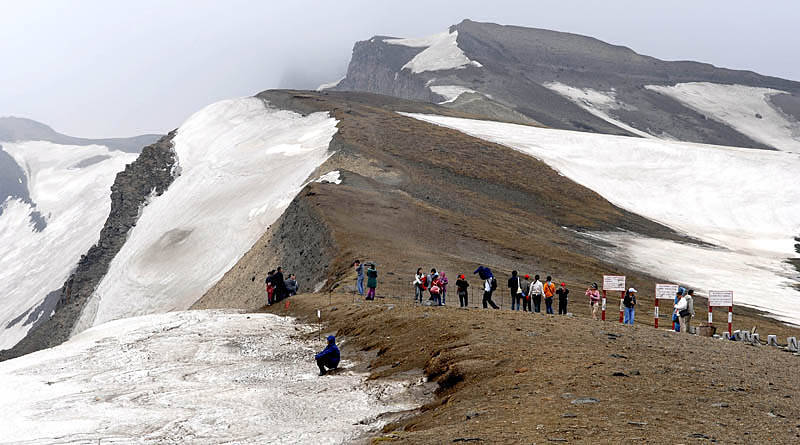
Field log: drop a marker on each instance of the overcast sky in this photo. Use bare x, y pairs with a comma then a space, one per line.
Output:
120, 68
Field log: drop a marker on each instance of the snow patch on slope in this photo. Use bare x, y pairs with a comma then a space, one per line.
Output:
74, 196
241, 164
197, 376
746, 109
441, 53
744, 201
450, 92
331, 177
599, 103
326, 86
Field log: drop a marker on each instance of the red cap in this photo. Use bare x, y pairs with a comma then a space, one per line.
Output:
527, 277
461, 276
562, 284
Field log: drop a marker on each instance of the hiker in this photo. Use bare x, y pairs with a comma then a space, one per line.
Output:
683, 310
431, 276
419, 285
524, 287
359, 277
461, 288
436, 292
594, 299
513, 290
328, 357
372, 281
443, 281
291, 285
270, 288
488, 287
629, 302
536, 291
279, 283
562, 293
676, 320
549, 291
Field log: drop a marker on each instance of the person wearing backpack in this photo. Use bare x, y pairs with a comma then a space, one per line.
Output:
629, 302
431, 276
684, 311
419, 285
443, 282
562, 293
514, 290
524, 287
536, 291
549, 292
372, 281
488, 287
461, 288
687, 320
436, 292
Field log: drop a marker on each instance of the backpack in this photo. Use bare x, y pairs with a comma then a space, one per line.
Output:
493, 284
434, 289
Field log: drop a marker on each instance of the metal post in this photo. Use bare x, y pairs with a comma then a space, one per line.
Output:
604, 306
621, 310
730, 320
655, 314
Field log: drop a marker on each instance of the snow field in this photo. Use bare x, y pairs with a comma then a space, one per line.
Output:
744, 202
746, 109
199, 376
441, 53
75, 202
241, 163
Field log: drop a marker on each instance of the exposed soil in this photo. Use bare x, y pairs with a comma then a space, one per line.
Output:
513, 377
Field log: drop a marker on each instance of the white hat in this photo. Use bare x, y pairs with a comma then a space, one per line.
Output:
632, 290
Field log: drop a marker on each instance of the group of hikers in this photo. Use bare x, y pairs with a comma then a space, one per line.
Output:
279, 287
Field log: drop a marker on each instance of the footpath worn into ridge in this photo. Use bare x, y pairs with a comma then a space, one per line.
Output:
514, 377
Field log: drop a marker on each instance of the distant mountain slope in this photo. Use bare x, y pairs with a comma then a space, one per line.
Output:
14, 129
575, 82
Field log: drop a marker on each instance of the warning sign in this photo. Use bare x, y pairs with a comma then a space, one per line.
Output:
613, 282
666, 291
720, 298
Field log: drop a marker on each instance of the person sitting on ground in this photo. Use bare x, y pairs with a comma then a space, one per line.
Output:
463, 295
549, 292
419, 285
536, 292
291, 285
328, 357
524, 287
594, 299
562, 293
372, 281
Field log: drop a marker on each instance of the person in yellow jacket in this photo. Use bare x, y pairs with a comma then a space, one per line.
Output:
549, 291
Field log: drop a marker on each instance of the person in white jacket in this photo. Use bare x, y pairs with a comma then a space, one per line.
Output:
681, 309
686, 321
419, 288
536, 292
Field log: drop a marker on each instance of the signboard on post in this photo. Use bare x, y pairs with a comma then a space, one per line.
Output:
720, 298
666, 291
613, 282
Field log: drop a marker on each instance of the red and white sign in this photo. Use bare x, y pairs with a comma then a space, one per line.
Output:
666, 291
614, 282
720, 298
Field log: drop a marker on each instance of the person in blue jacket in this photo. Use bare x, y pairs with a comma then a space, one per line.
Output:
329, 357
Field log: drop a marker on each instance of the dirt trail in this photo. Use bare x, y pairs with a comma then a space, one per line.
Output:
513, 377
